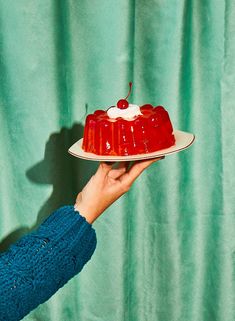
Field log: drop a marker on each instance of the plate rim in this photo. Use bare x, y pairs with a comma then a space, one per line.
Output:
113, 158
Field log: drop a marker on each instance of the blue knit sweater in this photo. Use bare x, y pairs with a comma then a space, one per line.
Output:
34, 268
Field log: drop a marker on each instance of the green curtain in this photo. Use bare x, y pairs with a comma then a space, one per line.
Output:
166, 250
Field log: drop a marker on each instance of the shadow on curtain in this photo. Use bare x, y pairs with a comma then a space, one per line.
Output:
65, 173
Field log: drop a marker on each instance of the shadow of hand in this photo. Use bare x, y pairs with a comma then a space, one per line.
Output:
66, 173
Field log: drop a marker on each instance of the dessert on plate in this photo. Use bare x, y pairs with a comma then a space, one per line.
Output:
128, 129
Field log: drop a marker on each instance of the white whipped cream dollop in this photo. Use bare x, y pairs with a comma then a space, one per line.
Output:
128, 113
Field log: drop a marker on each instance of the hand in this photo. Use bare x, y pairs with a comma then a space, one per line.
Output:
107, 185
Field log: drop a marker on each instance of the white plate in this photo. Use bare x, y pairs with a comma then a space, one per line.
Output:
183, 141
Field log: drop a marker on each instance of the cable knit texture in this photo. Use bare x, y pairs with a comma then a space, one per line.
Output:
34, 268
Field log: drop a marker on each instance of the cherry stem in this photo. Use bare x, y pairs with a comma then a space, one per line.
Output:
130, 85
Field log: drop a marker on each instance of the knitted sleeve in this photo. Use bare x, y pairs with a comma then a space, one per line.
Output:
33, 269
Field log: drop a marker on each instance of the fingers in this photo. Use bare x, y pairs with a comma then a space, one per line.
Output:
146, 163
104, 168
120, 170
136, 169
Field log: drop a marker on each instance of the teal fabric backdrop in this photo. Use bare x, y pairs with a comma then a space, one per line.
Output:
166, 250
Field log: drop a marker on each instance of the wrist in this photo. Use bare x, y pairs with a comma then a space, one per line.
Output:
87, 213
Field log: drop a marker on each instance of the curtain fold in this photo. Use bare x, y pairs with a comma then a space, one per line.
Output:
166, 250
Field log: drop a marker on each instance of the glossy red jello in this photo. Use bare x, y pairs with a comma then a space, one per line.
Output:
146, 133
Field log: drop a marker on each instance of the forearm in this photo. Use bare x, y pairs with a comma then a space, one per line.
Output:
43, 261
